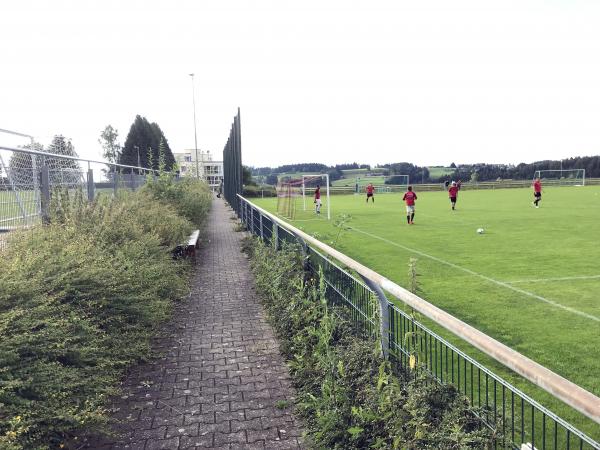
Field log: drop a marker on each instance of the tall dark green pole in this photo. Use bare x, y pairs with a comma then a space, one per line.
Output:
232, 164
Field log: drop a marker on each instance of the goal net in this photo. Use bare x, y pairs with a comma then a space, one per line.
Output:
561, 177
296, 197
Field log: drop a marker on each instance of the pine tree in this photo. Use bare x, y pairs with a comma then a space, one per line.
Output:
144, 140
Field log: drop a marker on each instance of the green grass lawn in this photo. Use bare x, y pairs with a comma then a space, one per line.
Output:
14, 205
531, 281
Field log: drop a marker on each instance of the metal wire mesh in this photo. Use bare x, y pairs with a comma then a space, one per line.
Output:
30, 172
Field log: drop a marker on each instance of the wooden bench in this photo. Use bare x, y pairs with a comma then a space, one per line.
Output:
188, 249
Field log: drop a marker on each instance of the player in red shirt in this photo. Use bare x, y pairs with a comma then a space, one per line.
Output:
453, 193
537, 192
318, 199
409, 198
370, 192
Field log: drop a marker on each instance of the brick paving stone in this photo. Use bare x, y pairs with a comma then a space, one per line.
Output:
221, 374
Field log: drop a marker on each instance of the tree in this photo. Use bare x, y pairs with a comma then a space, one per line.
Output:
272, 179
110, 146
63, 171
452, 166
143, 144
247, 176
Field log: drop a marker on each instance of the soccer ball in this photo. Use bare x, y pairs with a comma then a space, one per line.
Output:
480, 230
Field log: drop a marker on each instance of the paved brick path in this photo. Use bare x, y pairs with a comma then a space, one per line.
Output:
222, 383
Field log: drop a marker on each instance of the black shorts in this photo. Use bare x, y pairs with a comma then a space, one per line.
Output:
537, 194
369, 194
453, 199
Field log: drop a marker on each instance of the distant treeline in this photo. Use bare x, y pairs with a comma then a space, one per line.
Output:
419, 174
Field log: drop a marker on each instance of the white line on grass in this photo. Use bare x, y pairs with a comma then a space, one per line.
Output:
583, 277
491, 280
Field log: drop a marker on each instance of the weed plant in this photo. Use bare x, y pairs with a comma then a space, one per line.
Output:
80, 300
349, 396
190, 198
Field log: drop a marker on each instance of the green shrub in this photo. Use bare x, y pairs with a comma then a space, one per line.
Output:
80, 300
190, 197
349, 396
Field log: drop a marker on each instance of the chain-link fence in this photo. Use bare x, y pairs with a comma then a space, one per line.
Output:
31, 170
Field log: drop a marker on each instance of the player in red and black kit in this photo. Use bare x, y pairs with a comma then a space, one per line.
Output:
453, 193
370, 192
318, 199
409, 198
537, 192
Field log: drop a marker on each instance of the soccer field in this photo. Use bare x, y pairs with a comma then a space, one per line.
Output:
531, 280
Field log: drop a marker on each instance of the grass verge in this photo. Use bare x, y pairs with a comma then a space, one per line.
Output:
348, 395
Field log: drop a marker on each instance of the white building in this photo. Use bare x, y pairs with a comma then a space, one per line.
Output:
211, 171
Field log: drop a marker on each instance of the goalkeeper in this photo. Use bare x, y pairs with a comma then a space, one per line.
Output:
317, 201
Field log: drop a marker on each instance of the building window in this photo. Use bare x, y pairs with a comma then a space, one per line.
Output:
187, 158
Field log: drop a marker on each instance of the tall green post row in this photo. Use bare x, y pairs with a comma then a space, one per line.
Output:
232, 164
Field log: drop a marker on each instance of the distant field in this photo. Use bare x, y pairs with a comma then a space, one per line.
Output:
355, 172
363, 181
532, 280
297, 175
436, 172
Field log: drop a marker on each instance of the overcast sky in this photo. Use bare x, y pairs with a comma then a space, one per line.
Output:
429, 81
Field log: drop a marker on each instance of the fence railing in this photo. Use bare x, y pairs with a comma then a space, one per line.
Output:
518, 421
29, 176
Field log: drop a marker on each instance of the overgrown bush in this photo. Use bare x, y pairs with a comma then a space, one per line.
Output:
348, 394
80, 300
190, 197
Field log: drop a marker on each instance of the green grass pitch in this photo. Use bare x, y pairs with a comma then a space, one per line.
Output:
531, 280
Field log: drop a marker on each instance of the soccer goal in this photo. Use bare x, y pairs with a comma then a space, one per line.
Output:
398, 182
562, 177
296, 195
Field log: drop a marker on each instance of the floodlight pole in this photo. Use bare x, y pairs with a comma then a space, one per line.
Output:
195, 134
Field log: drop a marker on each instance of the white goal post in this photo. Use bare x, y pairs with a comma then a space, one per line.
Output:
562, 177
312, 177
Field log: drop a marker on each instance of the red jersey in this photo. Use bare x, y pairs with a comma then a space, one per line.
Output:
409, 198
537, 186
452, 191
370, 189
317, 193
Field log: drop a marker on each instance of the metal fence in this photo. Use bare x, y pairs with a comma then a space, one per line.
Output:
518, 421
29, 176
232, 163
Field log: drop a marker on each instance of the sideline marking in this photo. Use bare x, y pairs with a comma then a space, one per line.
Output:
491, 280
583, 277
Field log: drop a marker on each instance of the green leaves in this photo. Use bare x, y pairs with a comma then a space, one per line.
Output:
355, 431
349, 396
80, 301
